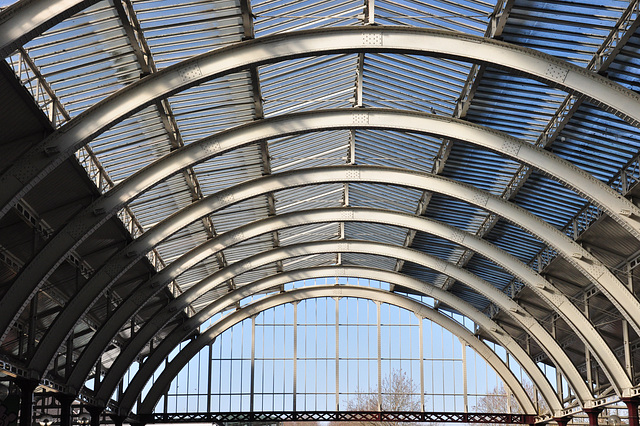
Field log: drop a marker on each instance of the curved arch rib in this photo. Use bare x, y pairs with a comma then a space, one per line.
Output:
420, 310
25, 20
422, 181
45, 262
161, 318
33, 166
180, 333
209, 248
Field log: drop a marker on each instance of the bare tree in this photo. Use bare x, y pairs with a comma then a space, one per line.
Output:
500, 401
398, 392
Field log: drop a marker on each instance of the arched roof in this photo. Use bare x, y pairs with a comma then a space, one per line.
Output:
158, 154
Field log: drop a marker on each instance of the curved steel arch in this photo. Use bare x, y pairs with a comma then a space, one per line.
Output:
45, 262
422, 181
181, 332
33, 166
207, 249
27, 19
509, 306
335, 291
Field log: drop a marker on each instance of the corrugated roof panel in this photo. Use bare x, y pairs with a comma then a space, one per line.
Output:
282, 15
306, 233
86, 58
469, 295
259, 244
182, 241
307, 84
434, 246
240, 214
229, 169
196, 273
413, 82
375, 232
321, 259
131, 145
370, 260
484, 169
570, 30
455, 212
255, 275
396, 149
468, 16
598, 142
514, 240
177, 31
315, 149
213, 106
624, 69
489, 271
384, 197
514, 104
419, 272
549, 200
309, 197
160, 201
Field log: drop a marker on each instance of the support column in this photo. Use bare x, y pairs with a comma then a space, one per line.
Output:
118, 420
65, 408
632, 407
593, 414
562, 421
27, 387
95, 413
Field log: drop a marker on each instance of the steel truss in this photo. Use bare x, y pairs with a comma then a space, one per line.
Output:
339, 416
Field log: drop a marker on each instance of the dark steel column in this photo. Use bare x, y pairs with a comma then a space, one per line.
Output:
95, 413
27, 387
65, 408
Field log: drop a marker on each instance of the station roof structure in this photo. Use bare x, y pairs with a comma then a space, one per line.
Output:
160, 154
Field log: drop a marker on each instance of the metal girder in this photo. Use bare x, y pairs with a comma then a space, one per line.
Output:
79, 228
418, 308
128, 256
169, 342
509, 306
45, 262
271, 417
207, 249
27, 19
45, 156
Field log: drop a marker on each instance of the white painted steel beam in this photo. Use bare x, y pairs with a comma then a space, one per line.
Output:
276, 223
27, 19
423, 181
508, 305
157, 357
45, 262
47, 155
421, 310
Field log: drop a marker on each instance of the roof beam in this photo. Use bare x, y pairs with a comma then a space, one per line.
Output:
320, 216
143, 54
27, 19
624, 29
565, 308
332, 291
34, 166
79, 228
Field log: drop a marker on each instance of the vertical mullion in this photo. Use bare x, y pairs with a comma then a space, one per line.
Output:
379, 357
295, 354
421, 351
